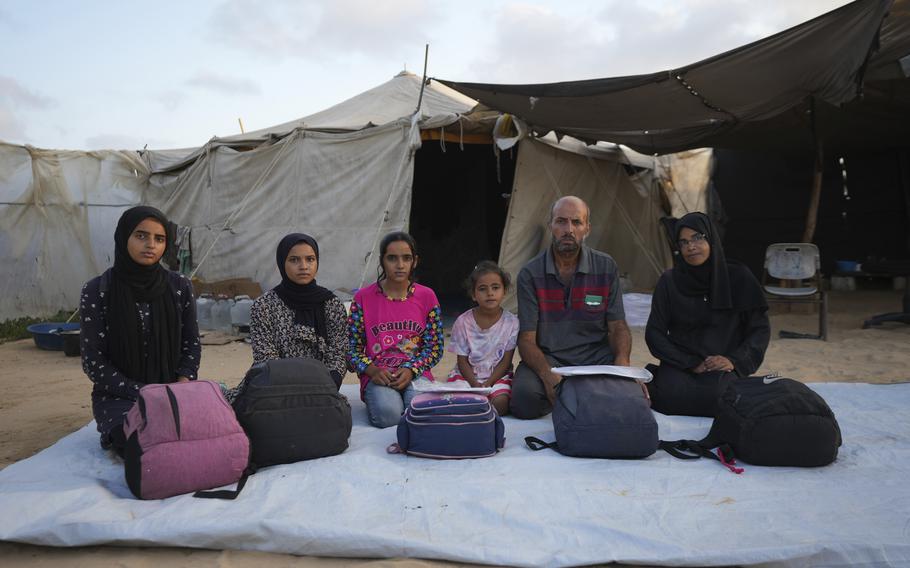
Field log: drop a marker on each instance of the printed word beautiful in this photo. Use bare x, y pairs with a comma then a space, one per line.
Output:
407, 325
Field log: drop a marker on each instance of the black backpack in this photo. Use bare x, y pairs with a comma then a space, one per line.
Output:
601, 416
767, 421
292, 411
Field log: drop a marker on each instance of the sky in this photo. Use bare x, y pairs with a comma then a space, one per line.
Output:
111, 74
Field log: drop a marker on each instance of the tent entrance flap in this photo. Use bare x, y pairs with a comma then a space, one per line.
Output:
458, 211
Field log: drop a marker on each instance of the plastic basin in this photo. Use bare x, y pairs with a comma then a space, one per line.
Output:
49, 335
846, 265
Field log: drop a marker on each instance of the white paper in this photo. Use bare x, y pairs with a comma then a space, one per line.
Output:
427, 386
637, 373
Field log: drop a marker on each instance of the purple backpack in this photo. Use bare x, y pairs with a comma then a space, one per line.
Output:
450, 425
183, 437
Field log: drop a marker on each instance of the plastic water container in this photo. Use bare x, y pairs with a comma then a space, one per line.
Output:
221, 314
204, 304
240, 315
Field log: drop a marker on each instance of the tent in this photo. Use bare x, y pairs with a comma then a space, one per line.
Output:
346, 175
851, 64
834, 91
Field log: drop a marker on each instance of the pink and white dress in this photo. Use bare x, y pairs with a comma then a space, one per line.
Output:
484, 348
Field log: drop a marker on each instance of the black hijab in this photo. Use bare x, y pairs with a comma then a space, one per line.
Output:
306, 300
133, 283
726, 284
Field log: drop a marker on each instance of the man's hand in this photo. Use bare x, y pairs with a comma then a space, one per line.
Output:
644, 389
550, 380
533, 357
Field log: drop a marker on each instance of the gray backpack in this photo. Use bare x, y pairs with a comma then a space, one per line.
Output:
601, 416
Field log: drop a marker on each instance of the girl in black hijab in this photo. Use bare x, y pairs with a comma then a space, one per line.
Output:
138, 322
708, 323
298, 318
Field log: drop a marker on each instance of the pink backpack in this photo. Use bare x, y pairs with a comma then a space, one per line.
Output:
183, 437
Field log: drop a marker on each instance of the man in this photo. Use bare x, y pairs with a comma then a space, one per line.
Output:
570, 310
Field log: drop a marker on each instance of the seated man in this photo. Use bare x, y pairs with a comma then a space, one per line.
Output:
570, 311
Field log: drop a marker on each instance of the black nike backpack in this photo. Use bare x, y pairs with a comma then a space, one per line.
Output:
291, 410
767, 421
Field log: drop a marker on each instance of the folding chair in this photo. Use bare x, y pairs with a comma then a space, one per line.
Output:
797, 268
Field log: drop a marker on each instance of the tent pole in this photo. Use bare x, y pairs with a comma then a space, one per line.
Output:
423, 83
815, 197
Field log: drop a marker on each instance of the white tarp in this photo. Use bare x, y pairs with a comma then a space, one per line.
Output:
519, 507
58, 212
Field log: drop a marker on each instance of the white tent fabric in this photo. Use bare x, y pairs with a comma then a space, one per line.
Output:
625, 211
517, 508
345, 189
58, 211
386, 103
380, 105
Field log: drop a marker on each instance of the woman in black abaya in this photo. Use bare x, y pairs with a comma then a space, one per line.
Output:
138, 323
708, 323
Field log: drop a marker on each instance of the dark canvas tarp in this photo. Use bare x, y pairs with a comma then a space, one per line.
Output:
853, 61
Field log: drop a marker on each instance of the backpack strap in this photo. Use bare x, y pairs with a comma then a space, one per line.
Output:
683, 449
229, 494
692, 450
724, 453
537, 444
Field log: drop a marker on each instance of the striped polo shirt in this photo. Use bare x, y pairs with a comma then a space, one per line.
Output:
571, 322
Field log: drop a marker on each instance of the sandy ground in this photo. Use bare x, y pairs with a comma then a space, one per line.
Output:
46, 396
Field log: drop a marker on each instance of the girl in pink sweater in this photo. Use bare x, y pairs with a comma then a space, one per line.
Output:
396, 332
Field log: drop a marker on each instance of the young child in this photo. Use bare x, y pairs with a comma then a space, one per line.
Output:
484, 337
396, 332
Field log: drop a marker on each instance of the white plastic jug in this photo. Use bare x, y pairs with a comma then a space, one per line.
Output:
221, 314
204, 304
240, 315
